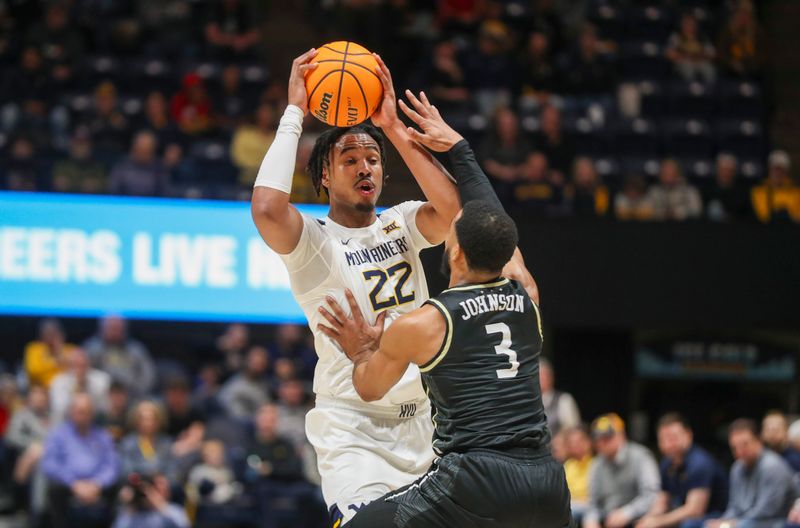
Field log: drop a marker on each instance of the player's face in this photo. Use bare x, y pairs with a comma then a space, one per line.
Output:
355, 174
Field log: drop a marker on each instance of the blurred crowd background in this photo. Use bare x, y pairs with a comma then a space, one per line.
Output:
652, 110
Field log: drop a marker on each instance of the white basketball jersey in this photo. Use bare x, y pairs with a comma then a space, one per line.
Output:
380, 264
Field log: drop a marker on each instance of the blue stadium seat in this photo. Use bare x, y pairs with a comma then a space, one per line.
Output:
752, 169
641, 165
742, 99
690, 100
608, 169
697, 168
586, 138
636, 138
643, 59
742, 137
650, 21
690, 138
98, 68
153, 74
209, 163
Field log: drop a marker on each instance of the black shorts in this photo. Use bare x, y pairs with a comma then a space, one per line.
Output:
482, 488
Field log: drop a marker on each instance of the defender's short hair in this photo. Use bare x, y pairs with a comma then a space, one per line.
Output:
322, 149
487, 235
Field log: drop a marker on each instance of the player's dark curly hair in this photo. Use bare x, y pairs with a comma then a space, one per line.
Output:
320, 155
487, 236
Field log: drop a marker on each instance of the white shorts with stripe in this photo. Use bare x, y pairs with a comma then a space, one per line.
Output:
364, 453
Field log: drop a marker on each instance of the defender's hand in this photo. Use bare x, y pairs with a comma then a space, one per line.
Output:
297, 79
354, 335
386, 114
436, 134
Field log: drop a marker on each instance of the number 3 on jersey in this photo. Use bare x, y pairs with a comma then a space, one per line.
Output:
404, 271
504, 348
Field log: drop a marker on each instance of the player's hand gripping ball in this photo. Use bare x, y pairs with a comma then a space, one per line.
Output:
344, 89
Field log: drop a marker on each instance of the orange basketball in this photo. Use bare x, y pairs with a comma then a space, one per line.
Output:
344, 89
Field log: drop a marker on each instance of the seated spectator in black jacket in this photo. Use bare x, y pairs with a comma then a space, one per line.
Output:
142, 173
272, 456
488, 68
504, 151
587, 196
59, 42
447, 80
535, 194
231, 31
775, 435
586, 73
694, 486
23, 170
727, 199
552, 143
108, 126
80, 172
538, 76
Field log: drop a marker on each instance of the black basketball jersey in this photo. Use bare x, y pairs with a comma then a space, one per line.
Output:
483, 383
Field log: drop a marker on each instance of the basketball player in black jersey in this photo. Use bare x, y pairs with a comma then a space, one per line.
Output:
477, 345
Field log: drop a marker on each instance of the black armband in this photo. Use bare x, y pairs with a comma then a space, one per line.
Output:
473, 184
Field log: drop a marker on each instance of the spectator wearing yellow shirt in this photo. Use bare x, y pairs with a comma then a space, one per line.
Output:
777, 199
47, 357
577, 468
251, 141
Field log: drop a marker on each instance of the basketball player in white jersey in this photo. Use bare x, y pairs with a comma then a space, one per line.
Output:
364, 450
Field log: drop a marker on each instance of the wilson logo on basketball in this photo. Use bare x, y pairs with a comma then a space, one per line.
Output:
324, 106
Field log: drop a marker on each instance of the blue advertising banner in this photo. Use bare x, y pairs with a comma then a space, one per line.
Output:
145, 258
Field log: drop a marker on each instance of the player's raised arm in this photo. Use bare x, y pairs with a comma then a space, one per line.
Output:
381, 358
433, 218
472, 182
278, 222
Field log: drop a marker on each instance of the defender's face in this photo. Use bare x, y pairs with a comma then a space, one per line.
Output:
355, 173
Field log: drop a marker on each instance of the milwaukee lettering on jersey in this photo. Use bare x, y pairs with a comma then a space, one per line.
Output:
378, 253
492, 303
324, 106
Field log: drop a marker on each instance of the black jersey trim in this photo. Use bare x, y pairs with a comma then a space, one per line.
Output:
493, 284
446, 340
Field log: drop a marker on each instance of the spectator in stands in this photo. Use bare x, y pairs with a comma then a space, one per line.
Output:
741, 43
777, 199
624, 481
146, 505
292, 409
80, 172
775, 435
79, 461
585, 73
693, 484
560, 407
537, 73
212, 481
251, 141
290, 343
447, 80
157, 121
109, 128
690, 52
272, 456
142, 174
115, 419
60, 43
455, 16
231, 32
587, 195
27, 431
577, 468
535, 194
232, 346
28, 93
231, 99
243, 394
167, 27
23, 170
206, 393
488, 68
505, 150
146, 450
633, 202
186, 424
727, 199
552, 143
47, 357
127, 360
794, 435
558, 446
672, 197
191, 107
762, 489
10, 401
79, 377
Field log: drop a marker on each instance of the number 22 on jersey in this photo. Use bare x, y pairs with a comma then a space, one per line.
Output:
401, 270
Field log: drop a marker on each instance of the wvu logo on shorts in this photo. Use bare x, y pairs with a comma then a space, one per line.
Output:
391, 227
407, 410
